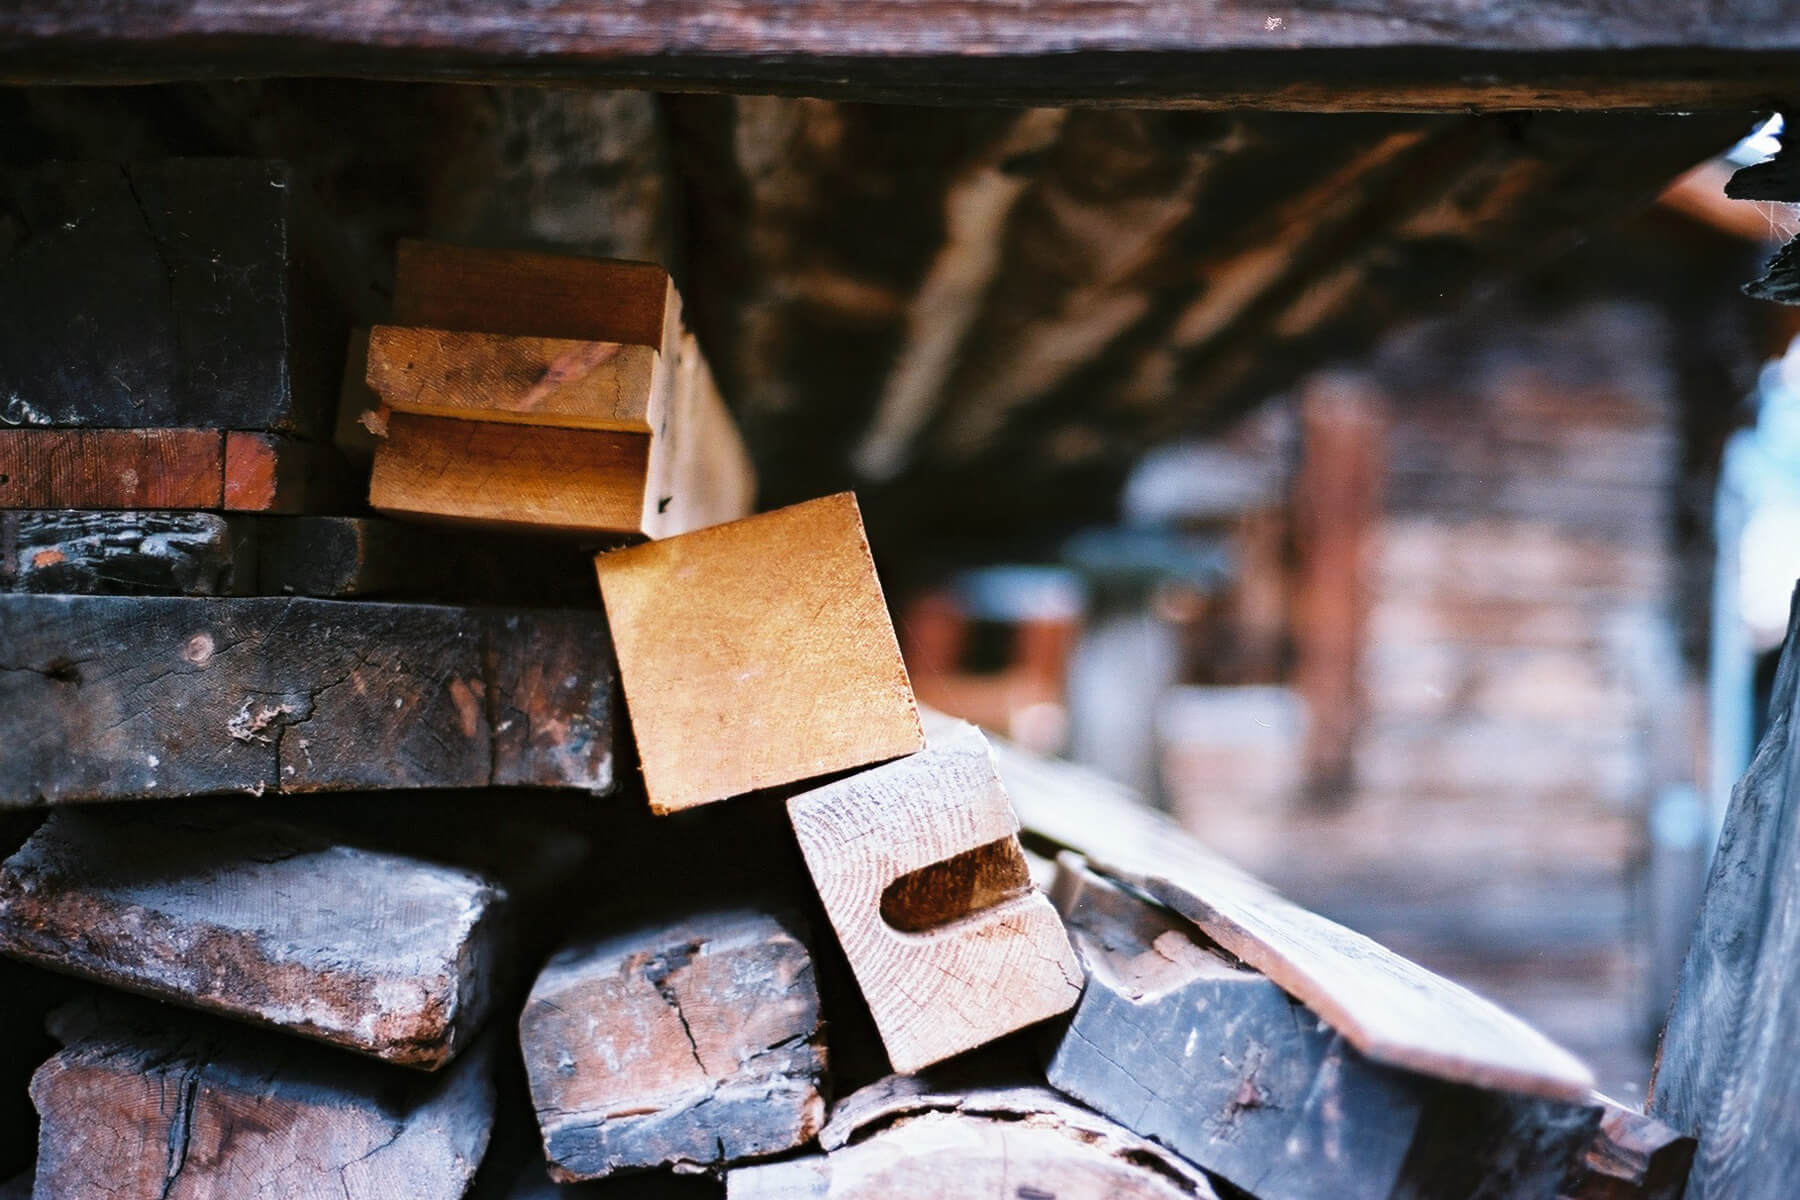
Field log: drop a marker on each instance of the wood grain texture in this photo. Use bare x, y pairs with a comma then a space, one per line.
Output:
124, 553
904, 1137
115, 697
1392, 1010
695, 1044
1632, 1157
500, 377
273, 473
530, 294
767, 636
1219, 1064
265, 922
143, 1104
166, 293
1288, 55
978, 973
111, 468
496, 476
1720, 1070
699, 473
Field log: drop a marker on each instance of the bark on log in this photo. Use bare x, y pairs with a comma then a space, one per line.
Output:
695, 1044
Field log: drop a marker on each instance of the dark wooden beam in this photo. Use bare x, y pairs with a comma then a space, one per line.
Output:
1334, 55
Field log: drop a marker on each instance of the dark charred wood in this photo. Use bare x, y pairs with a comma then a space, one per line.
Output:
124, 553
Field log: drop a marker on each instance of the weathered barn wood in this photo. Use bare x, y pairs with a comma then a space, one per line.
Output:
1217, 1063
146, 1104
263, 922
1392, 1010
1721, 1070
161, 294
124, 553
904, 1137
695, 1043
114, 697
771, 634
1286, 55
919, 868
1632, 1157
111, 468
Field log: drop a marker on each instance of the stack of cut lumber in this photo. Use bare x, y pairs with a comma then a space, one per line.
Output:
387, 902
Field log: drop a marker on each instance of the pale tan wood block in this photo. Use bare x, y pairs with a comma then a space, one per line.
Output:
919, 867
757, 653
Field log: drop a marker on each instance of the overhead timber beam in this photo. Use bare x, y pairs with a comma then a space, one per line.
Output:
1293, 54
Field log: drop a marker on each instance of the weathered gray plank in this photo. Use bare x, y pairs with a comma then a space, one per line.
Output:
903, 1136
1723, 1071
146, 1104
695, 1043
137, 697
264, 922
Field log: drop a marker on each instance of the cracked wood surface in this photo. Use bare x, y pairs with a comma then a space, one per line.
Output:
115, 697
143, 1104
1390, 1008
1302, 54
166, 293
266, 922
903, 1136
989, 964
769, 634
696, 1044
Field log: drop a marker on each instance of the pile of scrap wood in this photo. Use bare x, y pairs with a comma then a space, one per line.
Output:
389, 903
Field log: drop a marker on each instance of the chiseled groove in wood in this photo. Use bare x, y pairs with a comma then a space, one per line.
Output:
493, 474
144, 1103
1389, 1008
264, 922
528, 380
142, 697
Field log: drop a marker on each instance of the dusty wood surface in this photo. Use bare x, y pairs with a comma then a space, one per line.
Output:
493, 475
273, 473
1632, 1157
142, 1104
1216, 1062
903, 1137
1390, 1009
160, 294
113, 697
1720, 1073
111, 468
263, 922
1285, 55
918, 866
502, 377
695, 1044
124, 553
771, 634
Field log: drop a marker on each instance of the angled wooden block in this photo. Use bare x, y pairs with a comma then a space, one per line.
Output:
919, 868
117, 552
147, 1104
111, 468
265, 922
694, 1044
167, 293
1217, 1063
901, 1137
116, 697
768, 638
503, 377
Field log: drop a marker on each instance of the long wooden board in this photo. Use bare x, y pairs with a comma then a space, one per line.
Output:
119, 697
1391, 1009
111, 468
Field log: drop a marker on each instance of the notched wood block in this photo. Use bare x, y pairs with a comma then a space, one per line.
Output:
265, 922
146, 1104
500, 377
695, 1044
756, 654
919, 868
116, 697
